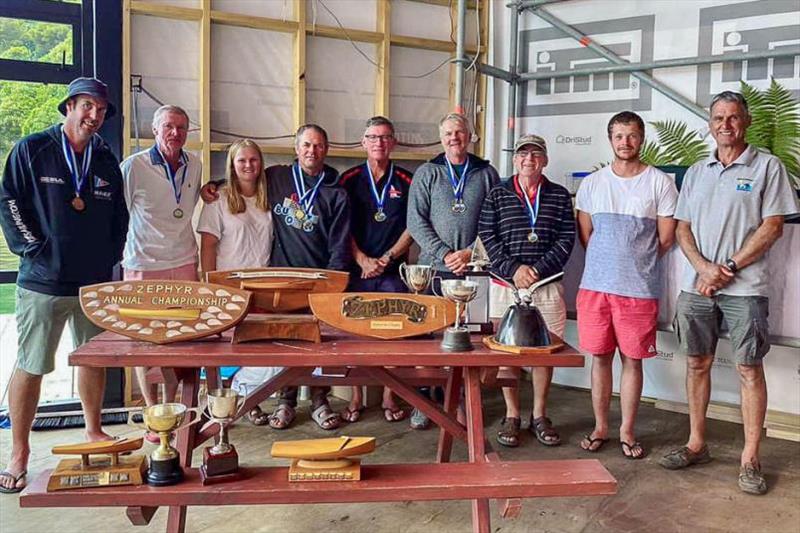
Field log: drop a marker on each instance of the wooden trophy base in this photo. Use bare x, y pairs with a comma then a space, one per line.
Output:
329, 470
257, 327
73, 474
557, 344
219, 468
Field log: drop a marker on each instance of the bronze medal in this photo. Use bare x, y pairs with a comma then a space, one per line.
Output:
78, 204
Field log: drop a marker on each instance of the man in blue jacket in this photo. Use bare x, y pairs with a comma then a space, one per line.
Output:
62, 210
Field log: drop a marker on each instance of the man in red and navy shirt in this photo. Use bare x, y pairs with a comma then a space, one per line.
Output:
378, 195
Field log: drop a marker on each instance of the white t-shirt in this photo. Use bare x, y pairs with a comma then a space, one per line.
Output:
156, 239
622, 254
245, 239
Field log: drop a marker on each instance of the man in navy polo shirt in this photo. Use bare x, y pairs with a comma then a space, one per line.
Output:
378, 194
63, 212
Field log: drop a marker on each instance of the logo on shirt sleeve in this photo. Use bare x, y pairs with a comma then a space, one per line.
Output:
395, 193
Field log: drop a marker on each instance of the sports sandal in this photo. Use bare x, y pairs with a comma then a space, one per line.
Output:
545, 433
17, 478
282, 417
508, 435
325, 417
630, 450
590, 443
351, 415
257, 417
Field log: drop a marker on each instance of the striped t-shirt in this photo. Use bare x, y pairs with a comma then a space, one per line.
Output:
622, 253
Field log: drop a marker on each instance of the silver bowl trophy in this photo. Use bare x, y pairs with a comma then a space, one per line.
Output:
221, 461
416, 277
461, 292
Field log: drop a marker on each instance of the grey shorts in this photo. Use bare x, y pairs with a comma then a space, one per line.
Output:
699, 319
40, 322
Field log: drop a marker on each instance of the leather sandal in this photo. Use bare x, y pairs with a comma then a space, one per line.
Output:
508, 435
282, 417
545, 433
325, 417
257, 417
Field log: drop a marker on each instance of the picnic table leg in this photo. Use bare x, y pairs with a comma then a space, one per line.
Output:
475, 442
213, 378
176, 521
451, 396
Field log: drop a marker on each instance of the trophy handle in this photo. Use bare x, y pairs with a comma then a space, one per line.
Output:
433, 286
198, 411
402, 270
242, 399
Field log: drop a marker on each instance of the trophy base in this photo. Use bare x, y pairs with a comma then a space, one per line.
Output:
73, 474
219, 467
326, 470
456, 340
165, 472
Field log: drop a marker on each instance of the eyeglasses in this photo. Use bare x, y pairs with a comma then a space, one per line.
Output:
529, 153
376, 138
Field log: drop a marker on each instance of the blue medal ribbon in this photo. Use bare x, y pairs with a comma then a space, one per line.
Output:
305, 198
533, 210
380, 200
457, 184
72, 163
177, 190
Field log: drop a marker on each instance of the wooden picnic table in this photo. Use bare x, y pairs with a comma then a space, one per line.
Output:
398, 364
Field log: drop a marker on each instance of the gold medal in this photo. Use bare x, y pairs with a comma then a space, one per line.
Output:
299, 214
78, 204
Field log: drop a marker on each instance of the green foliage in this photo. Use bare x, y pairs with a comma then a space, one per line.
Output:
652, 154
775, 123
677, 145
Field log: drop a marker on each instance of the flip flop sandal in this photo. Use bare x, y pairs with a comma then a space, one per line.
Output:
545, 433
395, 414
588, 438
351, 415
257, 417
325, 417
628, 449
282, 417
15, 489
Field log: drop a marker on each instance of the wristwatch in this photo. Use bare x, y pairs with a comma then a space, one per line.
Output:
731, 265
388, 256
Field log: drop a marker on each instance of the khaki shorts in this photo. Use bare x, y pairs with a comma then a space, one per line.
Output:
40, 322
548, 299
699, 319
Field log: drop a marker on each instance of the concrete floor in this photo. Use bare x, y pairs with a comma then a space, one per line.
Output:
703, 498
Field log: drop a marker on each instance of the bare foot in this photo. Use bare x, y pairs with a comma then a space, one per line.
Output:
98, 436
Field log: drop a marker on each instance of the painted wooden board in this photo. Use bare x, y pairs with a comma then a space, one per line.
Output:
164, 311
281, 289
383, 315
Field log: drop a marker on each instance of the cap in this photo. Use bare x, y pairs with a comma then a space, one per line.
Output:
532, 139
92, 87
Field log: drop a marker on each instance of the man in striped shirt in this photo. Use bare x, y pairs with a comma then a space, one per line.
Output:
527, 224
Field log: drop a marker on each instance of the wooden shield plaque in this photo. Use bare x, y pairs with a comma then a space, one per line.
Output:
164, 311
384, 315
281, 289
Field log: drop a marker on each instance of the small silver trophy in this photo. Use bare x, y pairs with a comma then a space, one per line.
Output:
221, 461
456, 338
416, 277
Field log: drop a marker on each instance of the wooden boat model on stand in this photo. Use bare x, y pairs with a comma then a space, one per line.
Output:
324, 459
279, 297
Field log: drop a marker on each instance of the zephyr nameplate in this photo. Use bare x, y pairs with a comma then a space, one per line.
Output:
383, 315
164, 311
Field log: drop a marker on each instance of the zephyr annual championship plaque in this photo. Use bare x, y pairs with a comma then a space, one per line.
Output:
383, 315
164, 311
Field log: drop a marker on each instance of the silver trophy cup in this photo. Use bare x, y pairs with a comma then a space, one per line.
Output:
416, 277
461, 292
222, 406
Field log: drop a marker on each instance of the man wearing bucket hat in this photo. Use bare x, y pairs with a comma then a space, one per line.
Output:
63, 212
528, 227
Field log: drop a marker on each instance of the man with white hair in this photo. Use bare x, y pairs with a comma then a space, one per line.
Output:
444, 205
162, 185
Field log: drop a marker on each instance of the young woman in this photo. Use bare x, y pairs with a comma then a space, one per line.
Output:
236, 232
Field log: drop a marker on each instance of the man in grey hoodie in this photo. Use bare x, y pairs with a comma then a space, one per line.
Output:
444, 205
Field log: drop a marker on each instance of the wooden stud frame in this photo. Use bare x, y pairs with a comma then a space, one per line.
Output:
300, 28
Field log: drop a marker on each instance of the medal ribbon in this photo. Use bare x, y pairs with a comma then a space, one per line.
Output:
533, 210
305, 197
380, 200
177, 190
458, 185
72, 162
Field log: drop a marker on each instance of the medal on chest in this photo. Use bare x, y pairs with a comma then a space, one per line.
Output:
380, 199
177, 187
78, 176
457, 183
532, 209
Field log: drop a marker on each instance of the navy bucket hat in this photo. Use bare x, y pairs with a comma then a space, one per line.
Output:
92, 87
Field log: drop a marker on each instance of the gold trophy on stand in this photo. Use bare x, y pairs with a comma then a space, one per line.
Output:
163, 419
221, 462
